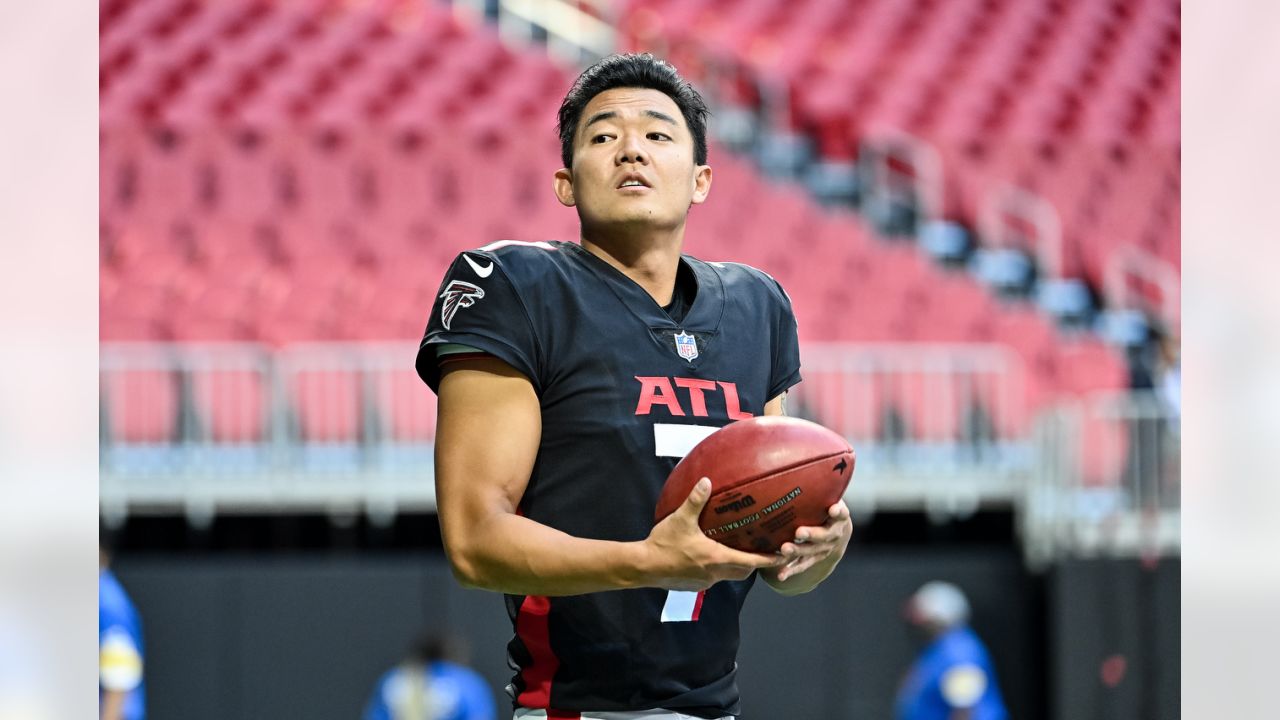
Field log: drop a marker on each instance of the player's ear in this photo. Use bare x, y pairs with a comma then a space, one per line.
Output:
564, 187
701, 183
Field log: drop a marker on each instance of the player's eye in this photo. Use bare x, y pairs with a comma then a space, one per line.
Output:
599, 139
659, 136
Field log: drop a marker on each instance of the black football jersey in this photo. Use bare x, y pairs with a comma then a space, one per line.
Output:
625, 392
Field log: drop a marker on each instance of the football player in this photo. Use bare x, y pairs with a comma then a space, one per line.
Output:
571, 378
120, 687
432, 683
953, 678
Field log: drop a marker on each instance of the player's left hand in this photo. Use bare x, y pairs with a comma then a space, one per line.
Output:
814, 544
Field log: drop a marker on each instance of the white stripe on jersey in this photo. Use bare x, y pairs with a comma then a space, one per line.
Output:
679, 606
499, 244
677, 440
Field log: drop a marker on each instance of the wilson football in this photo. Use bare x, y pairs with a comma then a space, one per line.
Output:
769, 475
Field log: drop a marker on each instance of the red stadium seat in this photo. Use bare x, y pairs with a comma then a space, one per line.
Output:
142, 406
408, 407
233, 405
846, 402
932, 405
327, 404
1090, 365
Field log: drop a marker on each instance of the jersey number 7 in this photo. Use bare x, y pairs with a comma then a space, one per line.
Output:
671, 440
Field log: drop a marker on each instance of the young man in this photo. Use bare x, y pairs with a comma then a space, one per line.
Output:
432, 683
120, 686
953, 678
571, 379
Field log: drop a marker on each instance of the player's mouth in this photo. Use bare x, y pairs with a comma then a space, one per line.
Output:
633, 182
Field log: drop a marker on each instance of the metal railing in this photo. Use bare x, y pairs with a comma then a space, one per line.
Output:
215, 428
1108, 480
225, 427
570, 33
349, 428
940, 427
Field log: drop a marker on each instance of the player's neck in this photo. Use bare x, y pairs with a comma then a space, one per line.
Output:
650, 261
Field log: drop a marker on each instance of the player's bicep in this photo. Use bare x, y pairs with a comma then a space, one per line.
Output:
487, 433
777, 406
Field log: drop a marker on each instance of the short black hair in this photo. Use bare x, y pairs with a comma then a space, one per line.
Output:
633, 70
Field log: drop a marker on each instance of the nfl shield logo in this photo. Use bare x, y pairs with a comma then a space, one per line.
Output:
686, 346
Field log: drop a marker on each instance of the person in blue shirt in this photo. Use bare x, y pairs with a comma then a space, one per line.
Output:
431, 684
953, 678
120, 689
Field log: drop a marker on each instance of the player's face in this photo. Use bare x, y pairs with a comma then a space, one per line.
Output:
633, 163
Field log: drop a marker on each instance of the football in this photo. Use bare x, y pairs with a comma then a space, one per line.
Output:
769, 475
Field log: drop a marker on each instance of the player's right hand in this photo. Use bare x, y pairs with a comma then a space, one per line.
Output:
683, 558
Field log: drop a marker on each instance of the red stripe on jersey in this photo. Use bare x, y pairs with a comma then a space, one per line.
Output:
697, 604
563, 715
534, 631
455, 357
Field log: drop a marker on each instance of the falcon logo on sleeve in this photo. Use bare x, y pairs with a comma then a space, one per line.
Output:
457, 295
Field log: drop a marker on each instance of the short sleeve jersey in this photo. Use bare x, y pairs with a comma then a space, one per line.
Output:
625, 391
119, 645
954, 672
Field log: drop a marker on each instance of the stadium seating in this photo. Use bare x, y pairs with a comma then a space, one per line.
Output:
1073, 100
142, 406
303, 170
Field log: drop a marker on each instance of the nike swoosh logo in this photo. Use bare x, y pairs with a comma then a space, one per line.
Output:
483, 271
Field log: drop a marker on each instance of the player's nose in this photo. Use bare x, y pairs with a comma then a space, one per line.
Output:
631, 150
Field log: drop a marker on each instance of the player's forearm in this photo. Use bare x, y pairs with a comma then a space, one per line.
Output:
516, 555
112, 706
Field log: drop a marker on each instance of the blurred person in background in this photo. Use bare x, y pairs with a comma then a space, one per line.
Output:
1152, 462
1169, 391
953, 677
1169, 379
120, 689
432, 683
